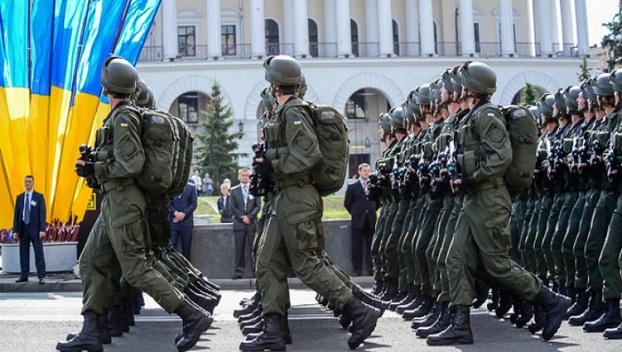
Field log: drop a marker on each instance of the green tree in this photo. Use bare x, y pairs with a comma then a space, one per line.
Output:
216, 152
585, 71
613, 40
529, 95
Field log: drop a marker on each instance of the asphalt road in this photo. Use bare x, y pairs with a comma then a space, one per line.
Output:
36, 321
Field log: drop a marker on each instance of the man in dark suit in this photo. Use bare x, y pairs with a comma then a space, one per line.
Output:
363, 223
181, 218
244, 208
224, 204
29, 227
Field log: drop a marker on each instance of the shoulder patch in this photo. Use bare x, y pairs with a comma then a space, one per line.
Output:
123, 122
490, 113
297, 121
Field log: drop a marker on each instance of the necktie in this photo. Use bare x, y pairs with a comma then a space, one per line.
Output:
27, 210
364, 186
245, 193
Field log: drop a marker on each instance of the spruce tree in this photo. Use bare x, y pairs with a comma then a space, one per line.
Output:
585, 71
216, 152
529, 95
613, 40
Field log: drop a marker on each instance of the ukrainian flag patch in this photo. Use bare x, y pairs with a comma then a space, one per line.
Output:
297, 121
123, 123
490, 113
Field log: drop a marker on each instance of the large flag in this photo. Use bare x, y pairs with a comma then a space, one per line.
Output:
51, 53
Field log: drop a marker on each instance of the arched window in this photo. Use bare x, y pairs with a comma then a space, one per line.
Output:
354, 35
272, 37
313, 44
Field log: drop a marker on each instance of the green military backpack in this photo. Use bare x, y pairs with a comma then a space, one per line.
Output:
167, 143
329, 174
521, 125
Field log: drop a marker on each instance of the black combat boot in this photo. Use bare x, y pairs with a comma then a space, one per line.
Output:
594, 310
526, 313
129, 312
138, 302
87, 339
372, 300
252, 321
246, 301
123, 317
481, 293
429, 319
206, 291
516, 308
253, 329
504, 305
458, 332
494, 300
538, 319
555, 306
102, 326
422, 310
613, 333
200, 299
398, 300
345, 319
409, 302
442, 323
287, 336
377, 288
248, 308
609, 319
364, 320
580, 304
272, 337
114, 323
390, 290
195, 322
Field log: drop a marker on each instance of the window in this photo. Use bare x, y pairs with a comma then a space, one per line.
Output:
396, 38
313, 44
188, 107
228, 40
272, 38
355, 106
186, 40
478, 48
354, 35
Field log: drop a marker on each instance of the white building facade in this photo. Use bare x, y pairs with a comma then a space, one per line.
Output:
361, 56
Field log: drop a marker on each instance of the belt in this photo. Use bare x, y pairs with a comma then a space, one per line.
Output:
115, 184
488, 184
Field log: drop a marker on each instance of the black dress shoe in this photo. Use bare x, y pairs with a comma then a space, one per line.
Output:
41, 281
22, 279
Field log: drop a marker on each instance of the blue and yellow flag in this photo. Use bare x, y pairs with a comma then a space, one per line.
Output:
50, 97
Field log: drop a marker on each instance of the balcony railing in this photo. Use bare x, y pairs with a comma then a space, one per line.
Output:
360, 49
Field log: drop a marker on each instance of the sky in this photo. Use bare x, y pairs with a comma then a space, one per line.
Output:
598, 12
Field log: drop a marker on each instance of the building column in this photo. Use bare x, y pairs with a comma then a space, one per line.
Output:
467, 30
426, 28
344, 38
288, 29
258, 29
301, 29
544, 27
330, 27
531, 28
385, 28
368, 47
412, 27
214, 32
506, 19
567, 27
583, 45
170, 47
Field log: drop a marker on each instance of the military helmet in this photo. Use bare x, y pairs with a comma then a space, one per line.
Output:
267, 99
602, 86
445, 80
145, 98
412, 104
119, 76
545, 105
302, 88
533, 109
616, 80
424, 94
587, 88
397, 117
435, 91
478, 77
571, 94
282, 70
456, 79
560, 104
384, 121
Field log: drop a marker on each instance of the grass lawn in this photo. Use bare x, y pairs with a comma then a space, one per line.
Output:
333, 207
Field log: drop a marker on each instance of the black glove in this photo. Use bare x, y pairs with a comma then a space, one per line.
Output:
86, 170
266, 168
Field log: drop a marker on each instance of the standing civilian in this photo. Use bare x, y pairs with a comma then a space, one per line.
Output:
198, 182
208, 185
224, 204
181, 218
244, 208
29, 226
363, 223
